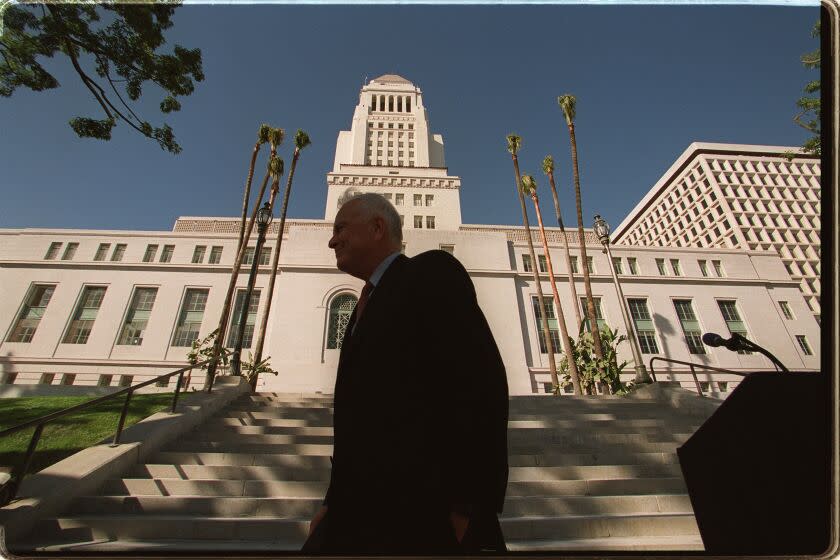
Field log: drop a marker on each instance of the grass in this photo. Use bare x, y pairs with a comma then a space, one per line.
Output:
69, 434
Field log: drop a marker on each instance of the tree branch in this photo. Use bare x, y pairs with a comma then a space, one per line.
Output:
108, 76
87, 81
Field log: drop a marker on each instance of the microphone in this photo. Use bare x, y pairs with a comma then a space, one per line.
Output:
738, 342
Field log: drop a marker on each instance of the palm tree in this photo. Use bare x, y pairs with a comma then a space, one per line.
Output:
301, 141
529, 187
262, 138
514, 142
567, 104
275, 137
548, 169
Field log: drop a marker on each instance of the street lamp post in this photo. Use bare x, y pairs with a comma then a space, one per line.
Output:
602, 230
264, 218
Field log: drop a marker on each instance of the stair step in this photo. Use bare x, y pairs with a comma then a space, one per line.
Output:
280, 473
598, 487
532, 506
207, 506
599, 526
172, 487
665, 544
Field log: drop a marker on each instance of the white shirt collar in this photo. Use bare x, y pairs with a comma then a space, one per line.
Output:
383, 266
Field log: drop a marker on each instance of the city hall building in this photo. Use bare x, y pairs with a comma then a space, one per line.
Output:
95, 307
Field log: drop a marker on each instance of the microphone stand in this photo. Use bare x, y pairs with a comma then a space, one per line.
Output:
753, 347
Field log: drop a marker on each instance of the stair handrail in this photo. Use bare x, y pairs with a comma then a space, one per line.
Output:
9, 489
691, 366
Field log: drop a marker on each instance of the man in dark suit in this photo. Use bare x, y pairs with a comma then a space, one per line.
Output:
421, 402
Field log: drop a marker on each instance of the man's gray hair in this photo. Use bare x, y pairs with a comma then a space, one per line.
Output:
373, 205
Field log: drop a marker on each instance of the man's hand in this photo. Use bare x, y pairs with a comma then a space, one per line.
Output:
317, 519
459, 523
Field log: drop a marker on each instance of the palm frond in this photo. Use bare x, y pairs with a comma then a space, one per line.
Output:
301, 140
528, 185
548, 164
275, 166
567, 103
263, 134
514, 142
275, 137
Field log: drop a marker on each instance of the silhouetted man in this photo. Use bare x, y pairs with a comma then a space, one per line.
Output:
421, 402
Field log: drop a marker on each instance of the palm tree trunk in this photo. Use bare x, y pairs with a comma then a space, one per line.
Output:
590, 303
237, 265
561, 318
275, 261
552, 367
247, 194
575, 298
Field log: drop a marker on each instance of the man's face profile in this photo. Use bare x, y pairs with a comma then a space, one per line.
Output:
353, 238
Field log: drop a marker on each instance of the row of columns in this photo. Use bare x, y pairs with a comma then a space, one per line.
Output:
391, 103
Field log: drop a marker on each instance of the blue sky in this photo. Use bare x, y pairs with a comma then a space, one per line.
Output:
649, 81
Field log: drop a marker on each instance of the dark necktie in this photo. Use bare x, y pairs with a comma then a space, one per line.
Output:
360, 307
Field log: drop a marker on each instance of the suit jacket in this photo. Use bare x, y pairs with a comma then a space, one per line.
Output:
420, 414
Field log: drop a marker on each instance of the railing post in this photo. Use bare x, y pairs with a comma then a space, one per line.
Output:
178, 390
122, 418
17, 477
652, 373
696, 382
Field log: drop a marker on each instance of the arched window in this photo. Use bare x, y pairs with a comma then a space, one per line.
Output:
399, 104
381, 102
391, 103
407, 104
373, 103
340, 309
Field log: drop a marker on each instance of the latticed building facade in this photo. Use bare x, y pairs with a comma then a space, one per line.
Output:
94, 307
737, 196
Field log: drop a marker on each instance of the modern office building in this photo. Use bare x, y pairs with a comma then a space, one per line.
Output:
95, 307
737, 196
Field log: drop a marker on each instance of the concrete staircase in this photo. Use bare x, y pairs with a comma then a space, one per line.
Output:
586, 473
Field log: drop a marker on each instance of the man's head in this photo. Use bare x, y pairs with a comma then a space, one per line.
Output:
367, 229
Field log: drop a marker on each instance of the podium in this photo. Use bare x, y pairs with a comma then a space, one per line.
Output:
758, 471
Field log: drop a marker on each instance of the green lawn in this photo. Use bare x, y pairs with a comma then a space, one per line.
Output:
72, 433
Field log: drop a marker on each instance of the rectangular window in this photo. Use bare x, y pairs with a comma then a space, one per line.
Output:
553, 328
418, 200
79, 330
248, 257
47, 379
590, 265
70, 251
543, 263
645, 331
101, 251
704, 269
574, 265
448, 248
265, 256
151, 251
52, 252
660, 265
250, 320
430, 198
786, 311
803, 344
105, 380
631, 264
138, 316
733, 319
30, 314
690, 326
526, 263
68, 378
718, 269
190, 317
398, 199
430, 222
119, 252
675, 266
599, 316
215, 255
418, 222
166, 254
198, 254
125, 380
617, 265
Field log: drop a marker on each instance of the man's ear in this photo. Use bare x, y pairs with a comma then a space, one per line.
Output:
379, 227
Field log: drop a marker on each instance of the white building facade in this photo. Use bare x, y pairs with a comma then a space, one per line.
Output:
92, 307
740, 196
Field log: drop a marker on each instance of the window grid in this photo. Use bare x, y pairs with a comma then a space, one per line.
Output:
675, 266
553, 325
660, 265
632, 266
101, 251
70, 251
526, 263
166, 254
339, 318
690, 326
250, 319
704, 269
190, 317
599, 316
616, 261
52, 252
803, 344
119, 252
215, 255
149, 255
733, 319
85, 315
248, 257
137, 317
786, 311
543, 262
645, 331
430, 222
30, 314
265, 256
198, 254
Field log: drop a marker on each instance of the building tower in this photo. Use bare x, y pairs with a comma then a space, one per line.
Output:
754, 198
390, 150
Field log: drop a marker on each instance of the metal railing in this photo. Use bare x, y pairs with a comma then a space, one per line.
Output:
9, 490
691, 367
